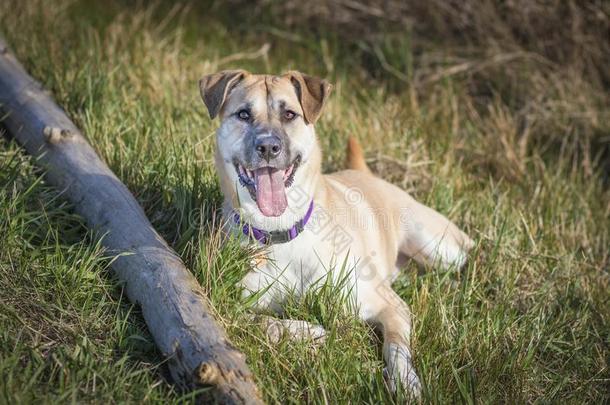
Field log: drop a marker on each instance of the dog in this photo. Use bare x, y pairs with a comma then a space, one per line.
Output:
311, 224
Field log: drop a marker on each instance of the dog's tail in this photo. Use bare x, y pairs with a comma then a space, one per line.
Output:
354, 158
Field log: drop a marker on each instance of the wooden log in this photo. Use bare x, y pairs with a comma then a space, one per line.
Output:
174, 305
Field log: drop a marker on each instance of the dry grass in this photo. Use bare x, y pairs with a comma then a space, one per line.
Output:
494, 114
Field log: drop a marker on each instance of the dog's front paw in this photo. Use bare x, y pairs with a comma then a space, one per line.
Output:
400, 372
310, 331
295, 330
405, 378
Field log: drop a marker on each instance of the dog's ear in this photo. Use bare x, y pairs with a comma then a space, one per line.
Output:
216, 87
312, 92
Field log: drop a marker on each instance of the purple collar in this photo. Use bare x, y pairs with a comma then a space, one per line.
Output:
273, 237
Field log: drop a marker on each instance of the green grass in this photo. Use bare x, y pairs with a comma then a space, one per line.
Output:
516, 154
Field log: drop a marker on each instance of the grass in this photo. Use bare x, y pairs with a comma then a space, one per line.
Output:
514, 149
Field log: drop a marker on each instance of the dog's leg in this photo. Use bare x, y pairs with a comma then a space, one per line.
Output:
430, 238
390, 313
270, 297
264, 288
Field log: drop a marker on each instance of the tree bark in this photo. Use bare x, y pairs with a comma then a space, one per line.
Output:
174, 305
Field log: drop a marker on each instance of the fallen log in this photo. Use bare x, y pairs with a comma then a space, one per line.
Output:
174, 306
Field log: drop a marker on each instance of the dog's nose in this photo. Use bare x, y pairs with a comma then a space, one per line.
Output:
268, 147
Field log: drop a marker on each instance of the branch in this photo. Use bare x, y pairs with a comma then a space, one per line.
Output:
173, 304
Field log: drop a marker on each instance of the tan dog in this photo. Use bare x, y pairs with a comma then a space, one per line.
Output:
315, 225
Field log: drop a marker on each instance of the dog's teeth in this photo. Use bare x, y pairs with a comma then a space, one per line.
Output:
288, 172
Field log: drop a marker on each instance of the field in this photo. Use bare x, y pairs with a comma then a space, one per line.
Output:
495, 114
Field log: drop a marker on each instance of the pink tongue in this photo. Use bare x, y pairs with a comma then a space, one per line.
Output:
270, 192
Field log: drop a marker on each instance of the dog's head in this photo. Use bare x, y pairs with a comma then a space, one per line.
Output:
266, 142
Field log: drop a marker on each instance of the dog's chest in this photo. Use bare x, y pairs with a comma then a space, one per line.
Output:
317, 256
302, 260
326, 250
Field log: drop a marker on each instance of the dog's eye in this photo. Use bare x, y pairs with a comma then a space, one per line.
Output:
243, 115
289, 115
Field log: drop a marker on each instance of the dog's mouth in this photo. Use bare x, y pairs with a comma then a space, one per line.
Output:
267, 185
